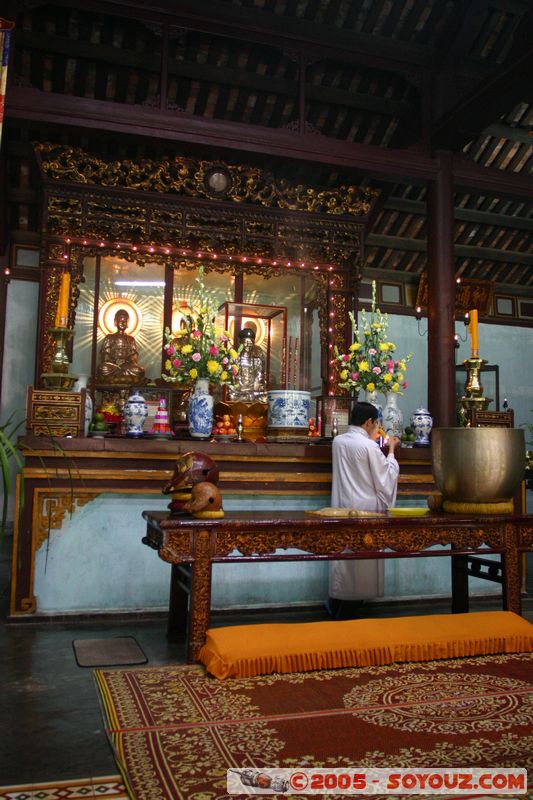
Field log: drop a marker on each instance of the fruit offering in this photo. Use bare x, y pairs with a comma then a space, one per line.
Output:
224, 427
98, 423
408, 436
313, 431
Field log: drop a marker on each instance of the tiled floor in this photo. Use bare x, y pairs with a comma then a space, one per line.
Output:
107, 786
49, 716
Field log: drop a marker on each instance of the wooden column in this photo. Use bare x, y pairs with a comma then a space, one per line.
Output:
441, 296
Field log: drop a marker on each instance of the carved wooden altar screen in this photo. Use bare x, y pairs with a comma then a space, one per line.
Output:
181, 213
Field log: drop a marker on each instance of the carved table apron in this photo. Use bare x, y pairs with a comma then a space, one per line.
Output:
247, 536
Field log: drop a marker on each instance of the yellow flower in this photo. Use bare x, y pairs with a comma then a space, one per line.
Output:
395, 387
355, 346
399, 377
402, 366
370, 387
387, 377
377, 327
233, 353
223, 375
187, 348
343, 374
363, 367
384, 346
213, 367
168, 363
193, 373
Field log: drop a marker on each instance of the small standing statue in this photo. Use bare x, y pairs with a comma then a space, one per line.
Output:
250, 384
119, 356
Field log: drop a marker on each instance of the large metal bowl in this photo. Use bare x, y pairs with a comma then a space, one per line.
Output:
478, 465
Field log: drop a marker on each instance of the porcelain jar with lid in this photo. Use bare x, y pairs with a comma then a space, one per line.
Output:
422, 424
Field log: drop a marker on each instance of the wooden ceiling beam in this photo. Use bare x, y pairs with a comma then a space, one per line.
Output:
106, 116
367, 160
459, 250
479, 108
463, 214
219, 18
211, 74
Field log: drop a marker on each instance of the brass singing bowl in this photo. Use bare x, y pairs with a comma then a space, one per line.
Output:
478, 465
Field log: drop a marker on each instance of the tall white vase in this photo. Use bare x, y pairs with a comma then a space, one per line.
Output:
373, 397
80, 384
392, 415
200, 410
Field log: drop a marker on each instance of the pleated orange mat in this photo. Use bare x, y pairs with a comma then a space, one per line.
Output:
246, 650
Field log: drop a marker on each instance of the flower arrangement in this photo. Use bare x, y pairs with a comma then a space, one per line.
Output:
199, 350
370, 363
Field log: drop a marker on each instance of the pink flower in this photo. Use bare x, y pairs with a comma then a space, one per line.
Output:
170, 350
405, 385
372, 351
346, 357
176, 363
196, 357
390, 365
213, 350
376, 370
224, 338
355, 376
225, 360
196, 334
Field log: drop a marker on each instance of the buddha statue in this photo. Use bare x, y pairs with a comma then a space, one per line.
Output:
250, 386
118, 355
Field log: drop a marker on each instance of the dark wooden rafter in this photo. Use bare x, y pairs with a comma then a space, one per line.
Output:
254, 25
510, 85
208, 73
507, 221
462, 250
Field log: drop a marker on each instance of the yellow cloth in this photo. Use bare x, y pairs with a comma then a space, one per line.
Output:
247, 650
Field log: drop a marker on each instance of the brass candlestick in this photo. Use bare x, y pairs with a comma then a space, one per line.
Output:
473, 398
59, 377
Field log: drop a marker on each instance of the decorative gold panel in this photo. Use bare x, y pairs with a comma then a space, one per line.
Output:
52, 508
190, 177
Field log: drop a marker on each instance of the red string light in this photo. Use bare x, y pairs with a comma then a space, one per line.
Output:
190, 253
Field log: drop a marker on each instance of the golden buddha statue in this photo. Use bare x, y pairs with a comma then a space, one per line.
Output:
119, 356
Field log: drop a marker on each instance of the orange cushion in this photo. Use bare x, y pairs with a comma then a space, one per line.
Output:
246, 650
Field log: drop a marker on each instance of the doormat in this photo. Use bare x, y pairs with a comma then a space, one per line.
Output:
113, 652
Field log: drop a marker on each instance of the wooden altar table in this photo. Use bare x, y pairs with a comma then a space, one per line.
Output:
192, 546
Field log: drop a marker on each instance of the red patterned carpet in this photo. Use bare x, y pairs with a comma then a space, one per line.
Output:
176, 730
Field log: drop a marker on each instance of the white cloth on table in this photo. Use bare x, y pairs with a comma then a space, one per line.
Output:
364, 478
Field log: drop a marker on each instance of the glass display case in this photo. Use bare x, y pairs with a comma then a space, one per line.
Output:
269, 324
330, 406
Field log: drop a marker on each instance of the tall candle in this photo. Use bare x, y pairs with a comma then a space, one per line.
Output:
289, 363
63, 301
473, 331
295, 360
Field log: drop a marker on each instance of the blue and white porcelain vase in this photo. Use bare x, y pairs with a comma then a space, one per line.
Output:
135, 413
201, 410
392, 415
422, 424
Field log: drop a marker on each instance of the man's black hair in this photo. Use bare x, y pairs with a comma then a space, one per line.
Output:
361, 412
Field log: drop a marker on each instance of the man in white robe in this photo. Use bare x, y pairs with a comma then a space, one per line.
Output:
365, 479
